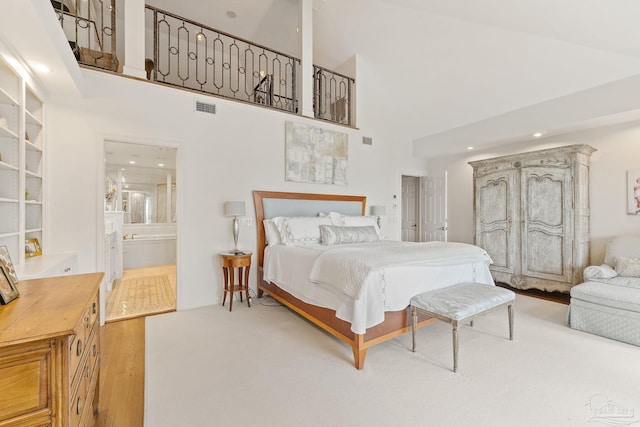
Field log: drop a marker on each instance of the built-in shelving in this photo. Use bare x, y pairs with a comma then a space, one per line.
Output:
21, 164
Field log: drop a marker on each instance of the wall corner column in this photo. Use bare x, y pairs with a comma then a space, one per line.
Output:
306, 57
134, 49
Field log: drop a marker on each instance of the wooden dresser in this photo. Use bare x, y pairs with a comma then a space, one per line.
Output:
50, 352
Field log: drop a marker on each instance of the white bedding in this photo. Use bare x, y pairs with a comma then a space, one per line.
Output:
384, 288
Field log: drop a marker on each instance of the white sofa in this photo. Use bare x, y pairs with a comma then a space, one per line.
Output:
608, 302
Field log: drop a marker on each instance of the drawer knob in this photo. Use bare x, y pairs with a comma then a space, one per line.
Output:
94, 308
79, 348
95, 349
79, 406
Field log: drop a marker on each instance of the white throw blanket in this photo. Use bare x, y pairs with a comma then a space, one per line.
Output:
346, 268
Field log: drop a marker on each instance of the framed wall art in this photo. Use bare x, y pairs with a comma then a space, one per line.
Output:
315, 155
633, 191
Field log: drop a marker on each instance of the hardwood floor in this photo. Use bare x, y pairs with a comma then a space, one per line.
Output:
122, 374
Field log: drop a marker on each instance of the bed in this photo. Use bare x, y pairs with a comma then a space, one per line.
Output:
365, 316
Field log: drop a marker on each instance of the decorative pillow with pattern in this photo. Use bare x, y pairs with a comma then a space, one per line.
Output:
599, 272
628, 267
299, 231
336, 235
360, 221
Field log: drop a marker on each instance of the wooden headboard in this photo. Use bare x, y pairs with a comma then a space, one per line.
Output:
270, 204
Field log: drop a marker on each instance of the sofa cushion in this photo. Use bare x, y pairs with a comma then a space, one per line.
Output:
624, 246
628, 267
622, 297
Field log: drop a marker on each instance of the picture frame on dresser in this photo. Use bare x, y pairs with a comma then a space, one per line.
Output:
5, 261
8, 290
32, 247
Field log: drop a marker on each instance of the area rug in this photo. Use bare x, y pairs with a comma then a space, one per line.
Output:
266, 366
145, 295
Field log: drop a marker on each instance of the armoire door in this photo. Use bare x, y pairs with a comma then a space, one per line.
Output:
497, 215
547, 223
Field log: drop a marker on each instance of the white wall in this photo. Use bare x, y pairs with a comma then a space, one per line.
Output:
618, 150
220, 157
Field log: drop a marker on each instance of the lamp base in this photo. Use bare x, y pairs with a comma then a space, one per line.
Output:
237, 252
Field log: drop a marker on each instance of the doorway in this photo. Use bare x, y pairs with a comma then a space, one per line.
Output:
424, 208
140, 215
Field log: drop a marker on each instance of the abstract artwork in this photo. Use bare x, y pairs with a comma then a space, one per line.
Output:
315, 155
633, 191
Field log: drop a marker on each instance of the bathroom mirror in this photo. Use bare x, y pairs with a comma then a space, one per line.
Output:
140, 180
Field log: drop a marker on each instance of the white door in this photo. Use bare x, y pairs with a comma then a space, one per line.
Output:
434, 208
410, 186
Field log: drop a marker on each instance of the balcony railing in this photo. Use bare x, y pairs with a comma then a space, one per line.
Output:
90, 27
332, 95
190, 55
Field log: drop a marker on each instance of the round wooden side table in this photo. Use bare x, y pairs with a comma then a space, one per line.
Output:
230, 262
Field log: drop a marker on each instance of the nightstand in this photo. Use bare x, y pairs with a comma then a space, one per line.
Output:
230, 262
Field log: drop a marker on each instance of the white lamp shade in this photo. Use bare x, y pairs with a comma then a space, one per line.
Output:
234, 209
378, 210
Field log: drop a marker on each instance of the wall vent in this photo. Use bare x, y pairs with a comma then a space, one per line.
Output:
205, 107
367, 140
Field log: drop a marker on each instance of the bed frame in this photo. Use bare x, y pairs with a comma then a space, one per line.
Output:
269, 204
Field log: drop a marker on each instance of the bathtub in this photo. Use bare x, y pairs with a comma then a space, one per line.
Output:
144, 250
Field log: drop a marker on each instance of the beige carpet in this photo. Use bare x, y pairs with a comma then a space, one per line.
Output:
265, 366
140, 295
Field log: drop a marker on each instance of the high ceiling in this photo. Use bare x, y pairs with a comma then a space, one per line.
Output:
448, 73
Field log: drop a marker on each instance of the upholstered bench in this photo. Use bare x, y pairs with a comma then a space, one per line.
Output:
461, 303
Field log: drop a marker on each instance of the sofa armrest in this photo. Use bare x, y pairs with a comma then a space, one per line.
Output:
604, 271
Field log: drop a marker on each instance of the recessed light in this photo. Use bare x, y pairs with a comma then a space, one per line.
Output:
231, 14
161, 164
132, 162
537, 134
469, 148
41, 68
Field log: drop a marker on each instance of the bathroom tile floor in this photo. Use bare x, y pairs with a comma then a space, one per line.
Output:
142, 292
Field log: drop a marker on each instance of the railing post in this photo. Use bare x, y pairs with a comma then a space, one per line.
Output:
134, 41
306, 59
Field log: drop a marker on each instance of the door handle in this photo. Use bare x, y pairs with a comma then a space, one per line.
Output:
442, 228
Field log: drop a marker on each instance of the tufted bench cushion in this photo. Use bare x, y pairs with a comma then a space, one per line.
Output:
460, 303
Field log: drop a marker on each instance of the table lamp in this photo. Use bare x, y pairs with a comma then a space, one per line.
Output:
235, 209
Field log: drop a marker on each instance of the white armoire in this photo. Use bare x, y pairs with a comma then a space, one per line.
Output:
531, 214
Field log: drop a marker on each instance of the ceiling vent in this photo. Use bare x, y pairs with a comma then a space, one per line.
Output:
204, 107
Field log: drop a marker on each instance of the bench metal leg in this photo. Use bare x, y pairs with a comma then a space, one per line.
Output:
510, 308
414, 325
455, 346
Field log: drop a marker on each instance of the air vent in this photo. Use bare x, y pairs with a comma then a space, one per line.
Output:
367, 140
205, 107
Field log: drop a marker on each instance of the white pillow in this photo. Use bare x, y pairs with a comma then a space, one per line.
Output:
271, 232
599, 272
628, 267
361, 221
335, 235
298, 231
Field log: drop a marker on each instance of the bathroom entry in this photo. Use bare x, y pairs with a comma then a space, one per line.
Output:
141, 193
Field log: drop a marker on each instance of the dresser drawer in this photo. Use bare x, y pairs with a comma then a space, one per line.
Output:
26, 382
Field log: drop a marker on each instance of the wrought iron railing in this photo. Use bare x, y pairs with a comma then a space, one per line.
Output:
90, 27
191, 55
332, 96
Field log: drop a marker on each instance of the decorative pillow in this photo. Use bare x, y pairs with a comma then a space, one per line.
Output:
361, 221
336, 235
271, 232
599, 272
298, 231
628, 267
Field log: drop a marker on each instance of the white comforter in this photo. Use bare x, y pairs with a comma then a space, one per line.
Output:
346, 267
384, 289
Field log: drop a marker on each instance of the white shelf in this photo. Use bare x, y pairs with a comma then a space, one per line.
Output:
33, 202
7, 166
3, 200
31, 119
6, 132
33, 230
11, 234
5, 98
30, 174
32, 147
